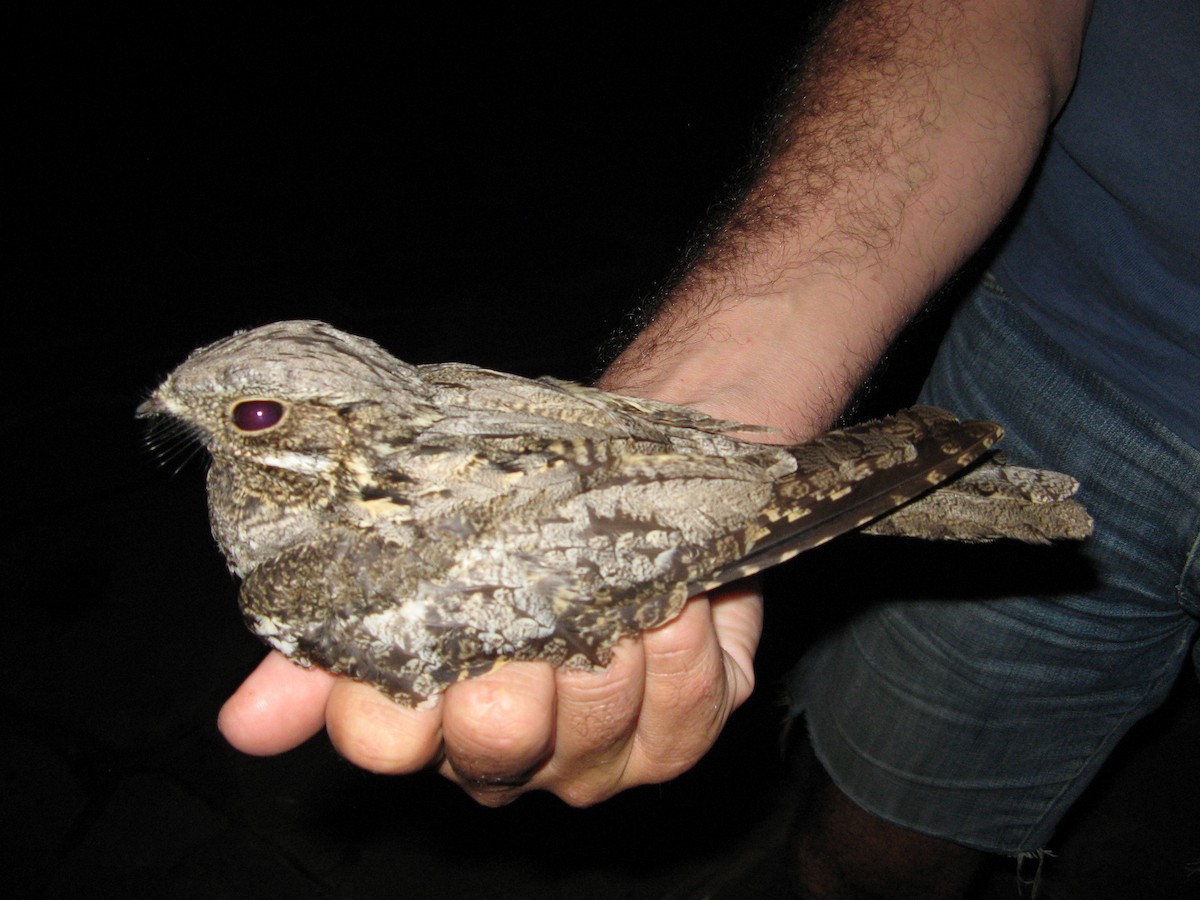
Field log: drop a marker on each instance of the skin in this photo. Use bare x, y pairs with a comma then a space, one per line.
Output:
910, 133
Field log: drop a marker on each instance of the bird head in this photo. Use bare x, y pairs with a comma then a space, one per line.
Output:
277, 407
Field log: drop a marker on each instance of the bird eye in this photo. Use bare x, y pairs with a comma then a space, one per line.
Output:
256, 415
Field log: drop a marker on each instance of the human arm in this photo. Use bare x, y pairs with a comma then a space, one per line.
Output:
908, 135
910, 132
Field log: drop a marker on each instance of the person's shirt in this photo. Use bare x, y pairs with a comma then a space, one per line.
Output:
1105, 249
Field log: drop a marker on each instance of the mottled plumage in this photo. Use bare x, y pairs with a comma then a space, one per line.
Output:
411, 526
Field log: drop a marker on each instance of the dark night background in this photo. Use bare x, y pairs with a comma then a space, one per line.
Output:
502, 190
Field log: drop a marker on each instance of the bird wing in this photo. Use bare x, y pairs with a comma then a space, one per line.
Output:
625, 555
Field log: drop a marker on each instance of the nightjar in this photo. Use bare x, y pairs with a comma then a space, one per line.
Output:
411, 526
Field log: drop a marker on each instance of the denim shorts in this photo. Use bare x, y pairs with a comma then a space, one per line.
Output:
981, 720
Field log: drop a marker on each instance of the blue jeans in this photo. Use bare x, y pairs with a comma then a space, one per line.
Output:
980, 721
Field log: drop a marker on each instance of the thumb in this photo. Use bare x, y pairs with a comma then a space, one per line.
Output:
278, 707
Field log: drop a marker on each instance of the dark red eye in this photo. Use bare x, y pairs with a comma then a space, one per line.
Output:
257, 415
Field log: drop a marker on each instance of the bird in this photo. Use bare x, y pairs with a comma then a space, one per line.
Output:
410, 526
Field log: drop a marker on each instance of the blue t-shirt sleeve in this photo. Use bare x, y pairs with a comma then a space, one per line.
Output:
1105, 246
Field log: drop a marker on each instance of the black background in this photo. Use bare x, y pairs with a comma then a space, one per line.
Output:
501, 189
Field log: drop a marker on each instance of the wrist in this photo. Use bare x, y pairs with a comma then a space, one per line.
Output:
783, 360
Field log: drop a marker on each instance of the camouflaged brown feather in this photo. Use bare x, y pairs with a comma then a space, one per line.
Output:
411, 526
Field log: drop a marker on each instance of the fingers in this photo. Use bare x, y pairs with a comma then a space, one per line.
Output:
597, 718
279, 706
654, 713
379, 735
737, 616
498, 729
646, 718
660, 705
687, 696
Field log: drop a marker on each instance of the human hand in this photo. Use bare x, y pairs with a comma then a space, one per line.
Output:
646, 718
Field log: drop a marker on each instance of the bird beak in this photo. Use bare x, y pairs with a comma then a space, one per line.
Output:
152, 406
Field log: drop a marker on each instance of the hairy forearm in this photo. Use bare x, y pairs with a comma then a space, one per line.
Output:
908, 134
